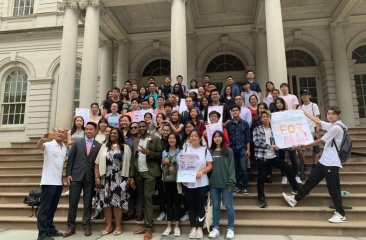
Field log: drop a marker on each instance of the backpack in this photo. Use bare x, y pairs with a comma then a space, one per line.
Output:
33, 199
346, 146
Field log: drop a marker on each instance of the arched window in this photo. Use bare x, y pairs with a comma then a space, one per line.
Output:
225, 63
14, 98
359, 54
77, 87
158, 67
23, 7
298, 58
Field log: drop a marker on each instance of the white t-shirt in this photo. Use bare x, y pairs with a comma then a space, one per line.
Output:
246, 115
204, 156
290, 100
330, 155
141, 160
313, 109
270, 153
54, 157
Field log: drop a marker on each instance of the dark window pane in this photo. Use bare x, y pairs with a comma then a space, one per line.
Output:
359, 54
298, 58
224, 63
159, 67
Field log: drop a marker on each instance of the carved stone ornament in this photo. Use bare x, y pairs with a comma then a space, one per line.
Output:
73, 4
90, 3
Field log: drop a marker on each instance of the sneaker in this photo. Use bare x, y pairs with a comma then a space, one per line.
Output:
214, 233
294, 192
161, 217
176, 232
236, 190
185, 218
290, 199
245, 191
199, 234
230, 234
67, 193
45, 236
262, 204
298, 180
167, 231
337, 218
192, 234
284, 180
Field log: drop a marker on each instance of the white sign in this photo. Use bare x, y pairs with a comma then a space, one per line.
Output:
219, 109
210, 129
182, 105
83, 112
187, 169
139, 115
290, 128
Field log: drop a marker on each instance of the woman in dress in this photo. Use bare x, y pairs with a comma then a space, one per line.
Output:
196, 191
222, 182
111, 169
102, 126
94, 110
124, 125
269, 88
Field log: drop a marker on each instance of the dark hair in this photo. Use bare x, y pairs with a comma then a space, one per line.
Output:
121, 140
249, 71
198, 133
151, 78
153, 103
284, 84
91, 105
179, 121
258, 115
201, 107
180, 91
214, 112
92, 123
144, 122
127, 96
145, 100
267, 92
160, 97
102, 120
177, 141
73, 129
160, 114
139, 91
152, 83
133, 90
253, 96
128, 81
127, 116
133, 123
235, 106
190, 84
225, 95
185, 136
168, 104
206, 76
194, 98
107, 95
283, 103
135, 100
215, 90
189, 115
276, 90
229, 77
335, 109
148, 114
224, 148
245, 82
117, 89
179, 76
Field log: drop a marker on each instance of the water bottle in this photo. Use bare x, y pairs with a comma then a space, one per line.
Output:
344, 193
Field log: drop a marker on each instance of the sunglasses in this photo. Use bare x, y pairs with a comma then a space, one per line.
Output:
135, 127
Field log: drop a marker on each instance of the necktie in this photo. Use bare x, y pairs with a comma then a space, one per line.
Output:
88, 147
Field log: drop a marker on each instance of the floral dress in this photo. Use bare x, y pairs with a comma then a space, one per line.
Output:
111, 193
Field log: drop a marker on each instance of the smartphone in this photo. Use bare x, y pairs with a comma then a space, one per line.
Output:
51, 135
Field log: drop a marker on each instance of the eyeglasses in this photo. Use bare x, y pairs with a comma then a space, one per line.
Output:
135, 127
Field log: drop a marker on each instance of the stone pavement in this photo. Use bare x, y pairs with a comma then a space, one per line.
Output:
13, 234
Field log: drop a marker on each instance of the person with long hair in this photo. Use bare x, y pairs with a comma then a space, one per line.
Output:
222, 183
205, 101
253, 104
173, 198
268, 96
94, 110
102, 126
77, 131
148, 118
125, 96
193, 116
158, 124
178, 92
142, 93
108, 96
227, 97
111, 169
188, 128
196, 191
280, 105
124, 125
151, 102
193, 84
175, 122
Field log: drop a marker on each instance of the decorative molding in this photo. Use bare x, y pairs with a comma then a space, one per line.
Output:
335, 25
40, 80
73, 4
84, 4
257, 31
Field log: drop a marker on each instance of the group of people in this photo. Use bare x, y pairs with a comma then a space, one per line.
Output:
120, 163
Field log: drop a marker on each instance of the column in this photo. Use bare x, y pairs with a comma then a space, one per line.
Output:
341, 75
191, 56
105, 70
122, 63
178, 44
66, 80
89, 69
277, 69
261, 58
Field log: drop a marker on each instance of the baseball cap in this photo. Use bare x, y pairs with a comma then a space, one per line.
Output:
305, 91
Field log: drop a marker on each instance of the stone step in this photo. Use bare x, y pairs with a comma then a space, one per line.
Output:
20, 156
22, 163
27, 150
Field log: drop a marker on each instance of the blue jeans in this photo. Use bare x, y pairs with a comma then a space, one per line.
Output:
227, 197
240, 160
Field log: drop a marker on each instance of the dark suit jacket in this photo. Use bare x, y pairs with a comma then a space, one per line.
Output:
153, 160
79, 164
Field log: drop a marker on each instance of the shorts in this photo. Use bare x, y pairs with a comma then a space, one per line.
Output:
316, 148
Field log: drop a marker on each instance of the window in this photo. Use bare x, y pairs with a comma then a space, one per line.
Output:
225, 63
159, 67
301, 83
360, 54
23, 7
298, 58
360, 83
15, 94
77, 87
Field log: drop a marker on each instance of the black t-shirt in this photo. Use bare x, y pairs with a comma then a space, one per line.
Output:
108, 103
166, 90
254, 86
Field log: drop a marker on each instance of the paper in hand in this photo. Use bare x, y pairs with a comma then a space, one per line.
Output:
123, 185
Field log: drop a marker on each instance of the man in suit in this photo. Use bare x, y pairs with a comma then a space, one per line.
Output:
145, 167
80, 176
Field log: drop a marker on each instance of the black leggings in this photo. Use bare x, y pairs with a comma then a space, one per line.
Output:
196, 200
173, 200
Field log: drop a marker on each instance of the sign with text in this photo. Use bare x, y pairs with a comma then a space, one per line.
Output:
290, 128
210, 129
139, 115
219, 109
187, 169
83, 112
182, 105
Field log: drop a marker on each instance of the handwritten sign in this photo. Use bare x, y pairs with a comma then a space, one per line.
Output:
182, 105
218, 109
187, 168
210, 129
139, 115
290, 128
83, 112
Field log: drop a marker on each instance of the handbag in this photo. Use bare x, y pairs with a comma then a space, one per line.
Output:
209, 212
170, 169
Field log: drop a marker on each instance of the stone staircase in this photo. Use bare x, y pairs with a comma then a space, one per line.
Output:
21, 165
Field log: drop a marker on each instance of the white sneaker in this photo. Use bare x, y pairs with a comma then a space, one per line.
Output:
284, 180
298, 180
67, 193
214, 233
176, 232
289, 199
167, 231
192, 234
199, 234
230, 234
337, 218
185, 218
161, 217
